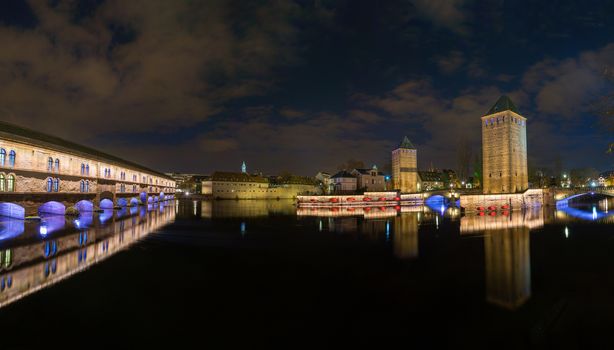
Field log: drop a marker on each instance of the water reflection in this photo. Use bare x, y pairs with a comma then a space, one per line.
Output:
37, 260
508, 266
10, 228
405, 241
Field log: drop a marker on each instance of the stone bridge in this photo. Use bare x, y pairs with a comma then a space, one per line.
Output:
563, 196
43, 174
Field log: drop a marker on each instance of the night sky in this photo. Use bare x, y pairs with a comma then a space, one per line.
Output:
198, 86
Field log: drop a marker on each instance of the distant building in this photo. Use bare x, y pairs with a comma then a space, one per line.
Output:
370, 179
608, 177
344, 182
504, 149
404, 167
431, 180
188, 182
229, 185
325, 181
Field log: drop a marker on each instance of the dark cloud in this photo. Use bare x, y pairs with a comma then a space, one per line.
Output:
446, 13
183, 63
299, 86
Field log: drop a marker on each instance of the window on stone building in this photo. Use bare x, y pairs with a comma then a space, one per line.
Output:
49, 184
10, 183
87, 169
50, 164
2, 183
87, 185
57, 165
82, 186
82, 169
12, 156
2, 156
56, 185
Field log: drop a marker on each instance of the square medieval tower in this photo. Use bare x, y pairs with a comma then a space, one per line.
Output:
504, 149
405, 167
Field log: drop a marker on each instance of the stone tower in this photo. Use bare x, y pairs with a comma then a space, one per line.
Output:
404, 167
504, 149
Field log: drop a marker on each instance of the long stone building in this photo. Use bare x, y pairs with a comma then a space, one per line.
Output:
230, 185
37, 168
405, 167
504, 149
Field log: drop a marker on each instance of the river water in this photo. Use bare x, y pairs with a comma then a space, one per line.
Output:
266, 272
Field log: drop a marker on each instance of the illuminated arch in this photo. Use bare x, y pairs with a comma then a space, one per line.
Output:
52, 207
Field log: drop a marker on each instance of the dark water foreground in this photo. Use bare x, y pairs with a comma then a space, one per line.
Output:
262, 272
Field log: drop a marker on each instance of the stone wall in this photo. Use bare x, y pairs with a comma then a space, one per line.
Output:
31, 170
404, 170
529, 199
504, 152
257, 190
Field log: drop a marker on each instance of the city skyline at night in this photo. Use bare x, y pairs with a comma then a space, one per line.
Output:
304, 86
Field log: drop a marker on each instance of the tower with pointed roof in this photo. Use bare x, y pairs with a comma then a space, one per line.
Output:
405, 167
504, 149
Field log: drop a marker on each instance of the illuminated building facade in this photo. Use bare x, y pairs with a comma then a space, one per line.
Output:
370, 179
504, 149
37, 168
405, 167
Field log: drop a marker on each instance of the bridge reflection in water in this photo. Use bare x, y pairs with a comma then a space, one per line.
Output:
37, 255
507, 260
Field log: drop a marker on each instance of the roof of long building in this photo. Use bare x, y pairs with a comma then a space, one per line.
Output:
20, 134
237, 177
343, 174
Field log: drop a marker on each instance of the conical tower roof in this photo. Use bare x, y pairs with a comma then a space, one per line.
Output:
503, 104
405, 143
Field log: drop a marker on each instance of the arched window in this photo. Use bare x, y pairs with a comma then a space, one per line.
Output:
2, 183
56, 185
82, 186
10, 183
82, 169
49, 184
133, 188
57, 164
2, 156
50, 164
87, 169
87, 185
12, 156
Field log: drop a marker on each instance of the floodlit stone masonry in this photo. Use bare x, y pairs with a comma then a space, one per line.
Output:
33, 163
405, 167
504, 149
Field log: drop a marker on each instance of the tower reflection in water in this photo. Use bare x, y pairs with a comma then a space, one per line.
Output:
507, 256
405, 241
506, 240
42, 254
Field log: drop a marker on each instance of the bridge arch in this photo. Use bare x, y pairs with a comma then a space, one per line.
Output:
134, 201
52, 207
84, 206
12, 210
122, 202
106, 204
565, 201
106, 195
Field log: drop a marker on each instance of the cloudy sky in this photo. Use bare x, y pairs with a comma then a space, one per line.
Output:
197, 86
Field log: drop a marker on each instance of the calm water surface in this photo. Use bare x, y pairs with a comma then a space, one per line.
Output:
265, 272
